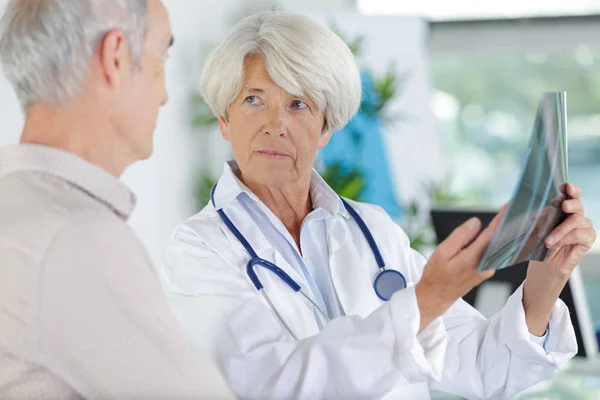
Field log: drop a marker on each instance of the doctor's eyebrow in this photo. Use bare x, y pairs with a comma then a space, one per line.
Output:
252, 90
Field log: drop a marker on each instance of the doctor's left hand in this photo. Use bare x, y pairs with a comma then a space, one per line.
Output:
451, 271
568, 243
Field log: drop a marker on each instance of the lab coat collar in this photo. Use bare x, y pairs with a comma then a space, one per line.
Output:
323, 196
230, 187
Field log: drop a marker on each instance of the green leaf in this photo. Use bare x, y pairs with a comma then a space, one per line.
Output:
206, 182
354, 44
202, 114
205, 120
353, 188
347, 183
440, 193
418, 242
387, 87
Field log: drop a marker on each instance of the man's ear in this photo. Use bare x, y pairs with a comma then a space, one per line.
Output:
114, 57
224, 127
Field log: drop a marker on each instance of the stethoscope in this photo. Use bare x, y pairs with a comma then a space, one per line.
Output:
386, 283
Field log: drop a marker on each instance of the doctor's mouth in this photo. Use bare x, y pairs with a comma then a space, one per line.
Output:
273, 154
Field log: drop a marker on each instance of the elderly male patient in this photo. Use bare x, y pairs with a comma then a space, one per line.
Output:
82, 314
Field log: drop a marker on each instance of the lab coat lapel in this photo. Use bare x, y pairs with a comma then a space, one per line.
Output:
352, 272
297, 312
293, 307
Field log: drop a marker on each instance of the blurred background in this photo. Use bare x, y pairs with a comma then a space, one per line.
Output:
450, 95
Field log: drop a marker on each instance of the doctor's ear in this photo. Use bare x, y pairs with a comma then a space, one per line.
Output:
325, 137
325, 134
224, 127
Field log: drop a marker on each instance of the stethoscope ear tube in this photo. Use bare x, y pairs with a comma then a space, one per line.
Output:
279, 316
367, 233
271, 267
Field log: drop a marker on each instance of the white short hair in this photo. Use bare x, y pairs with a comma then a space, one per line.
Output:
46, 45
303, 57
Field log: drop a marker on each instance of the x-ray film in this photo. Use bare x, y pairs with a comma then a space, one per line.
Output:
535, 208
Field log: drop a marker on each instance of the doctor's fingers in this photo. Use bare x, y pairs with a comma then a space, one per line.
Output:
584, 237
457, 240
473, 253
573, 206
574, 191
571, 224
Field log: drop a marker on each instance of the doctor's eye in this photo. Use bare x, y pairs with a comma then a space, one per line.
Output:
252, 100
298, 105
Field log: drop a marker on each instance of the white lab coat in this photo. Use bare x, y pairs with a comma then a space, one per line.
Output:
374, 351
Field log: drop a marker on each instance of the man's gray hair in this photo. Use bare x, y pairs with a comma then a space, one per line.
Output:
303, 57
46, 45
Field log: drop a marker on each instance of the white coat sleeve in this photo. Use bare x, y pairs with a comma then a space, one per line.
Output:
351, 357
498, 358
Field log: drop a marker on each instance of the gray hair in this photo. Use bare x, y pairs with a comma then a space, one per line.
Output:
46, 45
303, 57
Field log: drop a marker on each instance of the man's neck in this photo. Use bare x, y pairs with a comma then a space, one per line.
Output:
77, 133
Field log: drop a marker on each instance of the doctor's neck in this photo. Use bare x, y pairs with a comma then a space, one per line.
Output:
78, 129
290, 203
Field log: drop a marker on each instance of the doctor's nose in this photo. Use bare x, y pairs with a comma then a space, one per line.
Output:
276, 124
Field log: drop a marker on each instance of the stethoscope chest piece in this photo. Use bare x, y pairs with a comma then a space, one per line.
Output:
387, 282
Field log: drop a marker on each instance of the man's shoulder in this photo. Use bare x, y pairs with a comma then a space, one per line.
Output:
38, 218
33, 208
37, 209
38, 194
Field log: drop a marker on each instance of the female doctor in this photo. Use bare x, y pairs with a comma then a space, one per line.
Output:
298, 293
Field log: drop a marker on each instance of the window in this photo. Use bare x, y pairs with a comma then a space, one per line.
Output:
486, 97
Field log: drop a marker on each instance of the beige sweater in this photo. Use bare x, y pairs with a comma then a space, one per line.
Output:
82, 313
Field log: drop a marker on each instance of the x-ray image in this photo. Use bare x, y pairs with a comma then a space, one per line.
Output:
535, 208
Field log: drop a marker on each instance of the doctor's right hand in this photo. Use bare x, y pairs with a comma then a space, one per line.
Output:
451, 272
